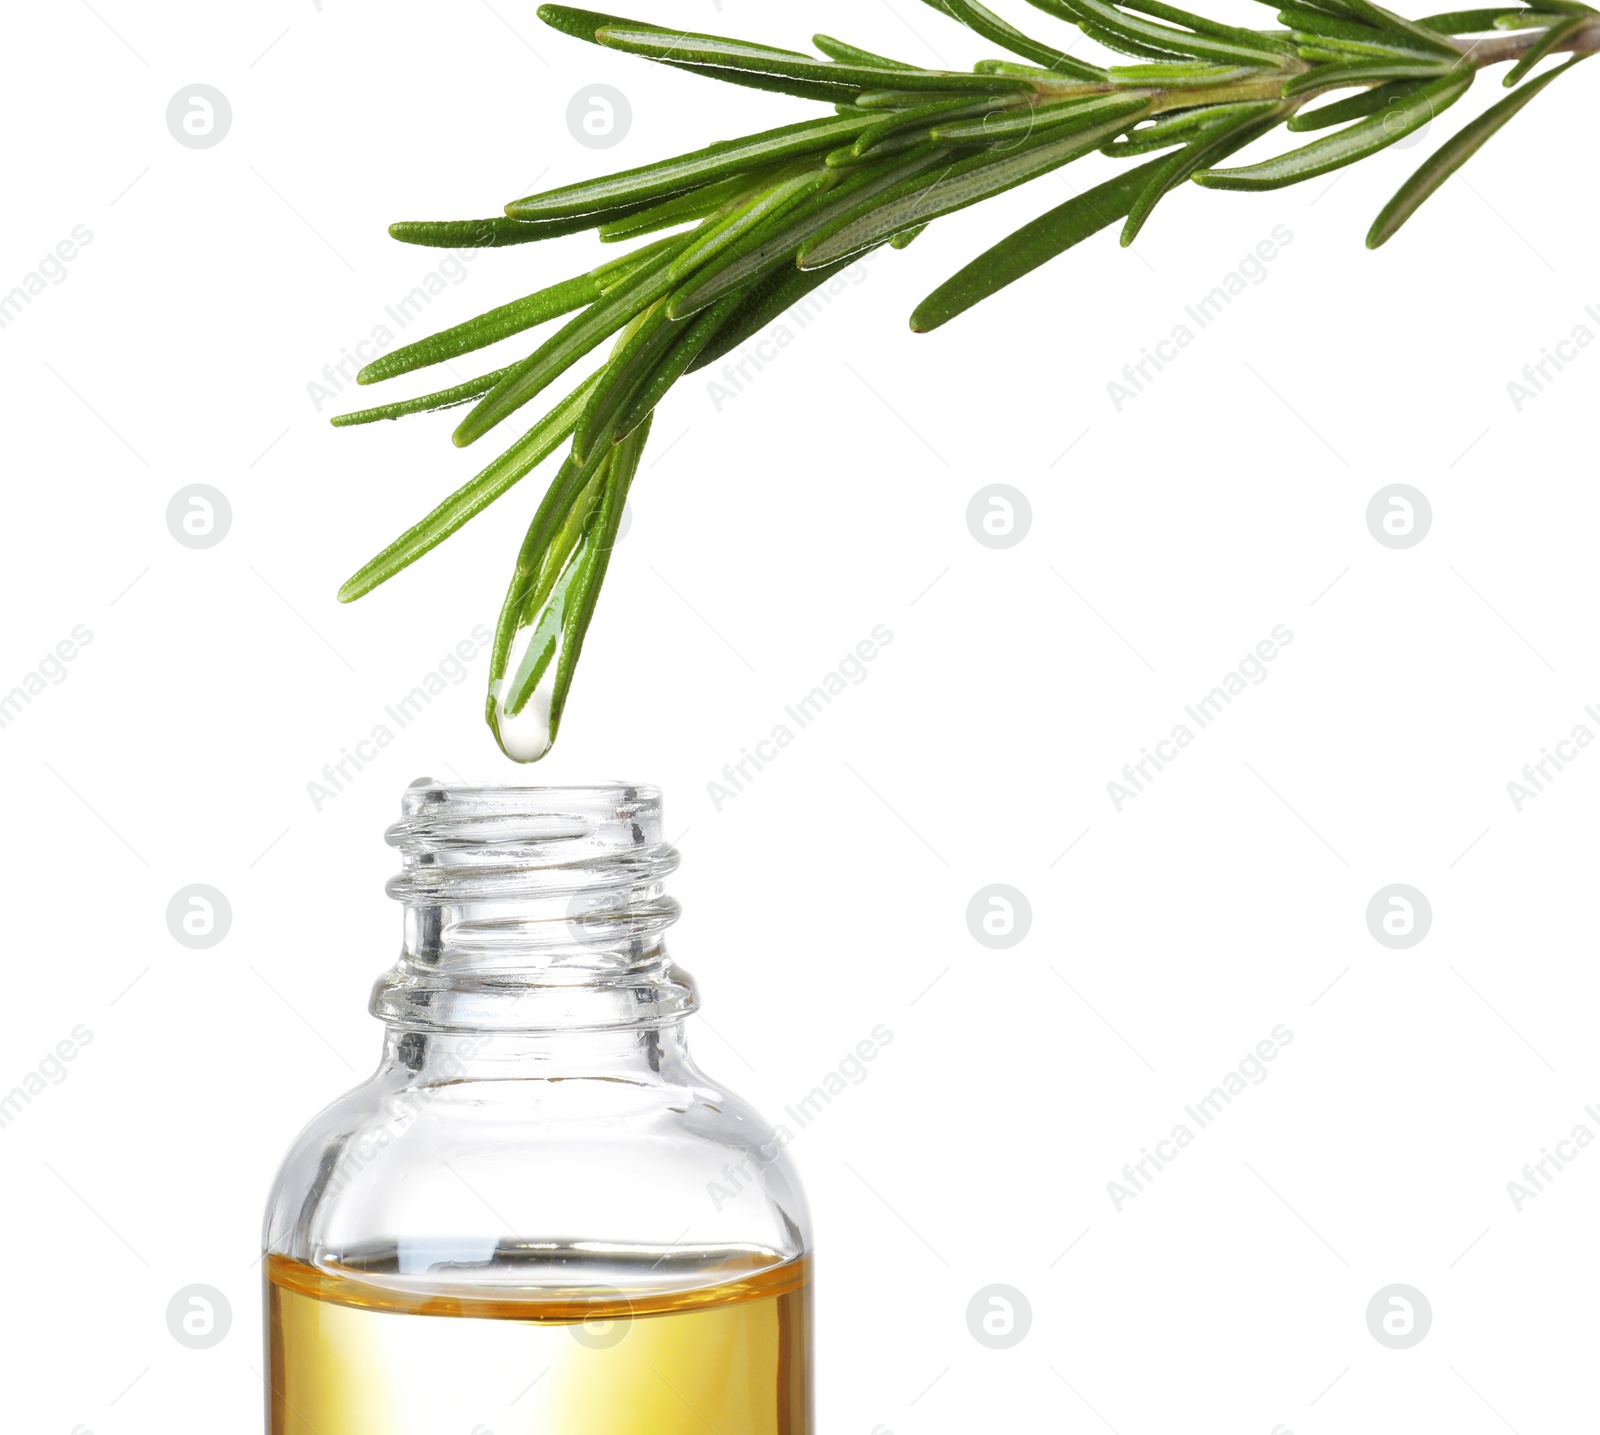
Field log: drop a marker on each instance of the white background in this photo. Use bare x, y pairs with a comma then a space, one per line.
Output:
829, 896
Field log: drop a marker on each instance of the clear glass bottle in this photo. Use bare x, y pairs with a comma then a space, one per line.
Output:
538, 1215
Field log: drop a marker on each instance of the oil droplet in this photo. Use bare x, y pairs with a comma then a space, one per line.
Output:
525, 736
535, 658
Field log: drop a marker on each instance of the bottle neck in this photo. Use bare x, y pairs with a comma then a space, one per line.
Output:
634, 1054
532, 910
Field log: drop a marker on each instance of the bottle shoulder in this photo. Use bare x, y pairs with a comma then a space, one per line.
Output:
484, 1162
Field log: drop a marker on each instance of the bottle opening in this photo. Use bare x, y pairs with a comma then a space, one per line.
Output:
533, 908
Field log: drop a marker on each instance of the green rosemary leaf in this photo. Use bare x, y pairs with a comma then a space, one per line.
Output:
906, 238
1206, 150
1551, 40
1188, 74
1328, 54
962, 183
1465, 22
1312, 21
484, 330
689, 46
598, 322
533, 558
1351, 52
686, 48
1033, 245
1179, 128
736, 270
685, 208
665, 178
1202, 26
427, 404
1363, 138
580, 24
913, 99
493, 233
753, 308
916, 119
712, 278
1061, 118
585, 591
468, 501
1336, 76
830, 94
1526, 20
853, 55
1354, 107
1567, 7
1060, 9
643, 342
615, 272
1183, 42
1016, 67
1166, 132
687, 342
1313, 27
1342, 54
1454, 153
558, 599
1335, 8
498, 324
538, 601
1381, 19
1114, 40
587, 24
846, 158
983, 21
542, 557
739, 225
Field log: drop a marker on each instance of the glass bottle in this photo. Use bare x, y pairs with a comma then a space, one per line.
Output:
538, 1215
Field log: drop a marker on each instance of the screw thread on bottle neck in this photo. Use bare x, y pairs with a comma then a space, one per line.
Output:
531, 909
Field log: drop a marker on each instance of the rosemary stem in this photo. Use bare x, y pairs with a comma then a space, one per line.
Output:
1497, 49
1268, 85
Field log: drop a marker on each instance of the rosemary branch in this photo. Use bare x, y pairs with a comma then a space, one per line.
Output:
751, 225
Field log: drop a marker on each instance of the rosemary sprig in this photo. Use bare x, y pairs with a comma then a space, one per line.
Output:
757, 222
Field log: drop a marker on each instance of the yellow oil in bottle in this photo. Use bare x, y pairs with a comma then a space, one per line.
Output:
350, 1354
